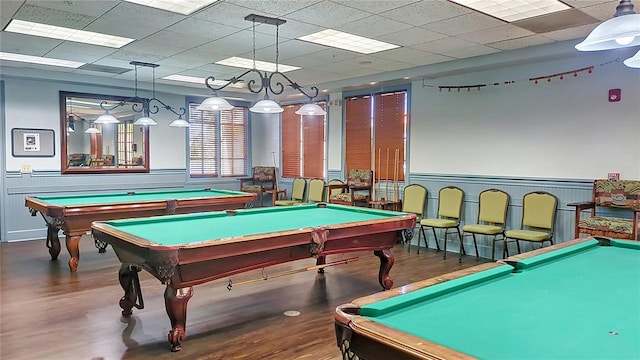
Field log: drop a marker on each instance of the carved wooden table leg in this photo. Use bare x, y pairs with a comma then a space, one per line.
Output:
53, 241
128, 277
321, 261
386, 262
73, 242
175, 301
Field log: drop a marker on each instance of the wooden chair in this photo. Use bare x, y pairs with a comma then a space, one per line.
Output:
262, 180
450, 201
614, 210
316, 191
297, 193
358, 181
492, 218
538, 219
414, 199
334, 187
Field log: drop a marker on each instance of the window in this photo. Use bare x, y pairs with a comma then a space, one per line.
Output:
303, 144
126, 145
375, 130
217, 142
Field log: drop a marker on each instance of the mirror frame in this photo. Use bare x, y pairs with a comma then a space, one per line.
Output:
65, 169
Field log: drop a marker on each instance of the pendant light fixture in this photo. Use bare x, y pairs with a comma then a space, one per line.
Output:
623, 30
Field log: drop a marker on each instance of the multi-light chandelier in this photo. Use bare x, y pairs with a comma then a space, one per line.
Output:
142, 105
267, 83
622, 31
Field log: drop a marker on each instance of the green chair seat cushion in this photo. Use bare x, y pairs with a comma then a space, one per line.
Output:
528, 235
482, 229
439, 223
618, 225
287, 202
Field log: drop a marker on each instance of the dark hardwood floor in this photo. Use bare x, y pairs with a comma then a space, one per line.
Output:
49, 313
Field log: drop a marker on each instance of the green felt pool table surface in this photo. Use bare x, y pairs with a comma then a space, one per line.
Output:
125, 197
192, 228
577, 302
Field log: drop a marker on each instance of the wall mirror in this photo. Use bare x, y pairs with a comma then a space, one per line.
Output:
89, 147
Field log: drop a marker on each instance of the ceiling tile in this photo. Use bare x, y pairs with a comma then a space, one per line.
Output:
225, 13
53, 17
470, 51
426, 12
274, 8
378, 6
413, 56
411, 36
373, 26
464, 24
84, 7
578, 33
80, 52
522, 42
27, 44
328, 14
498, 33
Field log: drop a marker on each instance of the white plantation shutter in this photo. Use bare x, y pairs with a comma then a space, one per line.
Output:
203, 142
217, 141
233, 147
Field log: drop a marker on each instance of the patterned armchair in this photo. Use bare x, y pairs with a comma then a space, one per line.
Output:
357, 190
262, 180
614, 210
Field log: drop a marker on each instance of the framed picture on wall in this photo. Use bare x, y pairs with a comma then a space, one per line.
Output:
32, 142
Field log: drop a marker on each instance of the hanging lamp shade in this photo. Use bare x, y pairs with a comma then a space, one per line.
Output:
623, 30
145, 120
634, 61
106, 118
266, 106
310, 109
179, 122
92, 130
214, 103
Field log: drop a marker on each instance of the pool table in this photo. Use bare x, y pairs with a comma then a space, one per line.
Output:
186, 250
576, 300
74, 213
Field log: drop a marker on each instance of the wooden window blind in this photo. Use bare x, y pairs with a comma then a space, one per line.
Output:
389, 139
376, 122
303, 142
291, 139
358, 133
233, 144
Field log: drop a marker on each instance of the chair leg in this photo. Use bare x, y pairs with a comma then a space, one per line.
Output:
424, 235
518, 246
493, 248
435, 238
444, 255
461, 251
475, 245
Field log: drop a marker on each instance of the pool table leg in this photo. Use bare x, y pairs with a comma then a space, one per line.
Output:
321, 261
175, 301
53, 241
386, 262
73, 243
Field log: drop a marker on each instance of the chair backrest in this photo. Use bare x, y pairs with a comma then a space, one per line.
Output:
264, 173
539, 210
298, 189
316, 190
360, 178
414, 198
335, 191
493, 205
450, 202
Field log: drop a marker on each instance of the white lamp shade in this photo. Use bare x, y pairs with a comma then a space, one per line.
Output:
310, 109
106, 118
634, 61
618, 32
179, 122
92, 130
145, 120
266, 106
214, 103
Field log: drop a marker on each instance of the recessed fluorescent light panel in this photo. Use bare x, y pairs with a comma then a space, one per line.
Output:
184, 7
510, 10
197, 80
62, 33
39, 60
342, 40
260, 65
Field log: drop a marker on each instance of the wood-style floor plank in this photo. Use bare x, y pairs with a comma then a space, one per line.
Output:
46, 312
